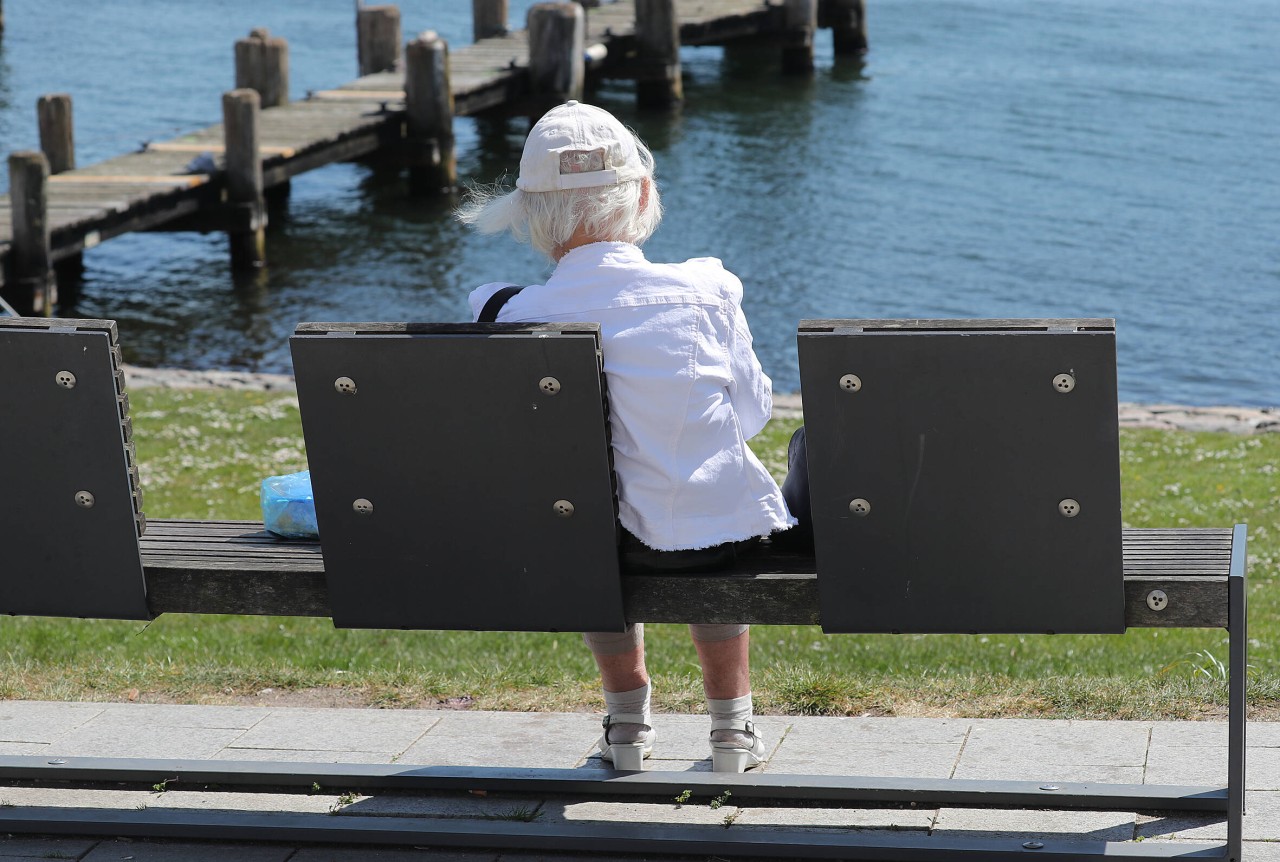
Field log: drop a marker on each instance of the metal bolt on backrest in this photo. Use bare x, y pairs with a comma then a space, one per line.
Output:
345, 386
84, 499
65, 379
851, 383
860, 507
1069, 508
563, 508
1064, 383
362, 507
1157, 600
549, 385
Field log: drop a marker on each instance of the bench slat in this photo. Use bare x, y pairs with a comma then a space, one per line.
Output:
234, 567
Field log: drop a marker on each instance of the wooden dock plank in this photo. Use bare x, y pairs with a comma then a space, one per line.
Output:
139, 190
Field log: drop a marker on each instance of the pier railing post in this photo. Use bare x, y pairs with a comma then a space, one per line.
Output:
658, 41
433, 167
489, 18
557, 37
848, 22
262, 64
33, 289
244, 179
797, 39
378, 39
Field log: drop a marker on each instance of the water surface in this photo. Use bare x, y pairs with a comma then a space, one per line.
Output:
992, 158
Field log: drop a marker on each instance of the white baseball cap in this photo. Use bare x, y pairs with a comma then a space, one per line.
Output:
577, 146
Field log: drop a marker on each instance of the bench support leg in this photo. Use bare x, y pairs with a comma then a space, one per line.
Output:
1237, 700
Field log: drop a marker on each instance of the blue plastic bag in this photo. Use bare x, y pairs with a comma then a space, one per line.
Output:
288, 509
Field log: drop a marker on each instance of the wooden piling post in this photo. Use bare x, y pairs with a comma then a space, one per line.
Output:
57, 134
433, 167
797, 38
262, 64
658, 43
244, 178
57, 142
489, 18
848, 22
557, 37
378, 39
33, 290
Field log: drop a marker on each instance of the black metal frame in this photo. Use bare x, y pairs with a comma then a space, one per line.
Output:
652, 838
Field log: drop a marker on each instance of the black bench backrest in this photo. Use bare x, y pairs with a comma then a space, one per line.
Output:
462, 475
964, 475
70, 508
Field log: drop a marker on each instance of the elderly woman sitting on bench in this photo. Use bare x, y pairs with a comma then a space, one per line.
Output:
685, 392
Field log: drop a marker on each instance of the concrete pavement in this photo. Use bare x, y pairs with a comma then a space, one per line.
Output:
1037, 750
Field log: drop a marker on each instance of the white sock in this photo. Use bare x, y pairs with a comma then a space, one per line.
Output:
634, 701
731, 708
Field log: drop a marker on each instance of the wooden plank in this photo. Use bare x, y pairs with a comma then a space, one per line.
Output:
234, 567
211, 147
357, 95
187, 180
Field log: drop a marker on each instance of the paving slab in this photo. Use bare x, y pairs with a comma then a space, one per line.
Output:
213, 800
1261, 822
1028, 825
107, 740
131, 716
440, 805
23, 747
294, 755
1059, 751
1195, 733
834, 819
533, 739
39, 721
868, 730
74, 797
822, 756
670, 813
389, 732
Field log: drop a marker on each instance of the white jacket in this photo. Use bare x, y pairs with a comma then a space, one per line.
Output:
685, 390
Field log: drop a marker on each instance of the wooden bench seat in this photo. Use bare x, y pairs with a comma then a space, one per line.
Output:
234, 567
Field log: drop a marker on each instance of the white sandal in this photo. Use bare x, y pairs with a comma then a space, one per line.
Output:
735, 756
627, 755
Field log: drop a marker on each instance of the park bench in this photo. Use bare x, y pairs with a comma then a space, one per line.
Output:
964, 479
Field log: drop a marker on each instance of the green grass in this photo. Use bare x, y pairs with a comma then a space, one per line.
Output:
202, 455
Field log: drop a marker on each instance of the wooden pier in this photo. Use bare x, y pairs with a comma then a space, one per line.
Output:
400, 111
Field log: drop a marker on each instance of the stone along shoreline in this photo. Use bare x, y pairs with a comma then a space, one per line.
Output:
1237, 420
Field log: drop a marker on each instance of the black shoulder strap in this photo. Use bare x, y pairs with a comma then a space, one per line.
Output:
489, 313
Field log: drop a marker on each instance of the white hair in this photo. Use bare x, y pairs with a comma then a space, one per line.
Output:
547, 220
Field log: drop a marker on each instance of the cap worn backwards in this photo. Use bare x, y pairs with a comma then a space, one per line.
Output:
577, 146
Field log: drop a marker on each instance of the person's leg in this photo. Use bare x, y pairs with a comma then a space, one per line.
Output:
725, 655
628, 735
724, 652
